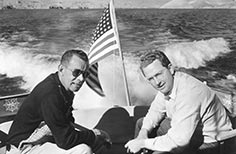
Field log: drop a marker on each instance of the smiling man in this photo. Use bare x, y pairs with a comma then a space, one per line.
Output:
186, 113
50, 103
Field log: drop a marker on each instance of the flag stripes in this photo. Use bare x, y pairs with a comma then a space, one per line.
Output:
104, 38
101, 41
104, 42
93, 81
105, 51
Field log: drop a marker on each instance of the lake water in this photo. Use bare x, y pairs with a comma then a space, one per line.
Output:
201, 41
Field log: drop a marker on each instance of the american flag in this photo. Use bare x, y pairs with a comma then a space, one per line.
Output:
104, 37
93, 81
104, 42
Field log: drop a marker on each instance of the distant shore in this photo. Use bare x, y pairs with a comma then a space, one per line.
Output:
95, 4
52, 4
9, 7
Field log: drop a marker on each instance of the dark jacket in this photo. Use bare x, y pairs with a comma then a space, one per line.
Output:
49, 102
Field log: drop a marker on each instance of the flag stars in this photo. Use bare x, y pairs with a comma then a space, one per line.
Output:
103, 26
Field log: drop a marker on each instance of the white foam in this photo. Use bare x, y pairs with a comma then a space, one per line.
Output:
22, 62
35, 67
195, 54
231, 77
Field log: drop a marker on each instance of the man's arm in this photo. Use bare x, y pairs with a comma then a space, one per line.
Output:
65, 135
184, 122
143, 134
102, 137
155, 115
153, 118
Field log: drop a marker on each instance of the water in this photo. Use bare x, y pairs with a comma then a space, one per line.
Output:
201, 41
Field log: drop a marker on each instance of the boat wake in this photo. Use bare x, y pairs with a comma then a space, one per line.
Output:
34, 67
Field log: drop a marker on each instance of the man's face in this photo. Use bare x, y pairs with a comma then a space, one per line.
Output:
159, 77
72, 76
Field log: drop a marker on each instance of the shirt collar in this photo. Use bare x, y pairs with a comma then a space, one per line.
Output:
172, 95
68, 94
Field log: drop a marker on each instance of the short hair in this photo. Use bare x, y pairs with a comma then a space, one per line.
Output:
66, 57
152, 55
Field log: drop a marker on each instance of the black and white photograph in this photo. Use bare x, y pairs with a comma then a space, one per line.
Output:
117, 76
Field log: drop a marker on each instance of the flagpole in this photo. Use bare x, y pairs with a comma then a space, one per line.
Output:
112, 10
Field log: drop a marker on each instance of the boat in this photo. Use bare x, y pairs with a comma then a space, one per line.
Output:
117, 121
55, 7
8, 7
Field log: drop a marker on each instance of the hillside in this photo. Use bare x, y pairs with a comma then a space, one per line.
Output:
75, 4
200, 4
45, 4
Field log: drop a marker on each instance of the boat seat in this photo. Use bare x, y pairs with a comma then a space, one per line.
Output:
3, 138
119, 125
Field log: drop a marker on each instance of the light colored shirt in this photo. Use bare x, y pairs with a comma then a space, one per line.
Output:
189, 103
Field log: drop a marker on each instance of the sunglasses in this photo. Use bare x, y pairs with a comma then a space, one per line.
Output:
78, 72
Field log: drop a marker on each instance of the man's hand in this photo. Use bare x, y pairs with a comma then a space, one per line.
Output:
100, 134
135, 145
102, 140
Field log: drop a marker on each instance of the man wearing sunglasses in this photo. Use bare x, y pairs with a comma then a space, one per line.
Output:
44, 122
186, 113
